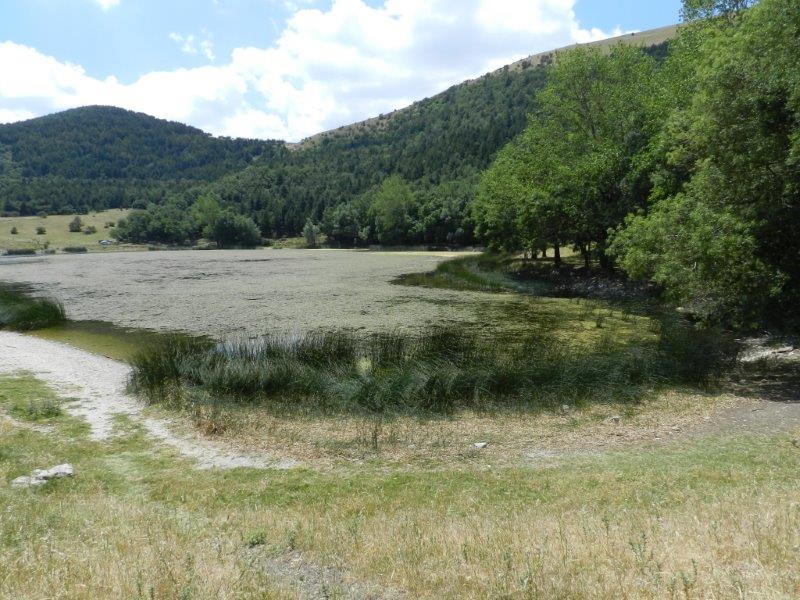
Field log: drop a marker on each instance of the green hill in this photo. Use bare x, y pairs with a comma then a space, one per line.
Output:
103, 157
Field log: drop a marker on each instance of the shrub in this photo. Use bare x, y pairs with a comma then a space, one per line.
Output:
231, 229
21, 252
41, 231
311, 234
91, 229
75, 249
75, 225
14, 231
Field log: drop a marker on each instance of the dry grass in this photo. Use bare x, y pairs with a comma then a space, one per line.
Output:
514, 437
705, 518
57, 234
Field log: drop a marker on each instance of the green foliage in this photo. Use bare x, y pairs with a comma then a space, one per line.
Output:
14, 231
569, 176
311, 233
90, 230
41, 230
437, 372
22, 312
102, 157
231, 229
390, 208
76, 225
723, 233
75, 250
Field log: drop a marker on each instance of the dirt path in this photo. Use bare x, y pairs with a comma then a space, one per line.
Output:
97, 385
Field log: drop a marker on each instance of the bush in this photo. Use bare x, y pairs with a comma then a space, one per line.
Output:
41, 231
231, 229
75, 249
75, 225
14, 231
311, 234
91, 229
21, 252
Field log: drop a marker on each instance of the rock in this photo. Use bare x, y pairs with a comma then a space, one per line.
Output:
616, 419
784, 350
41, 476
26, 481
480, 445
565, 408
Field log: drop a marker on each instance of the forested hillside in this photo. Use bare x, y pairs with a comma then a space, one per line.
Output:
100, 157
104, 157
437, 148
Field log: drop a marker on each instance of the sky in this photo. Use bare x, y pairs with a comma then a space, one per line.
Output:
279, 69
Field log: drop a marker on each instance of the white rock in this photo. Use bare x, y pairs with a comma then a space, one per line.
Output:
65, 470
565, 408
480, 445
42, 476
615, 419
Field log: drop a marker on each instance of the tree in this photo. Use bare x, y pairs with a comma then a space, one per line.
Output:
14, 231
391, 206
311, 234
231, 229
726, 236
694, 10
205, 211
569, 176
76, 225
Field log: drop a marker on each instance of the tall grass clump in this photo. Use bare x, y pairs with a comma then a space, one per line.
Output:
21, 312
436, 372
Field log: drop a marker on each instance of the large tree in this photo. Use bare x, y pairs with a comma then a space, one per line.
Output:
727, 239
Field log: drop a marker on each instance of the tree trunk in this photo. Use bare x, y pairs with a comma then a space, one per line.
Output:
586, 255
557, 254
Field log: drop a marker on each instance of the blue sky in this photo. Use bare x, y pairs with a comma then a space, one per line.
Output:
278, 68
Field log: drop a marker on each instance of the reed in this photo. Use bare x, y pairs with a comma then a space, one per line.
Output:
437, 372
22, 312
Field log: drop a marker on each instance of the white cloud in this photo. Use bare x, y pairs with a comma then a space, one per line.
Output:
106, 4
327, 68
190, 45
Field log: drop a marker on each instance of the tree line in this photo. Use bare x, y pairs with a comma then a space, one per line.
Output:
684, 173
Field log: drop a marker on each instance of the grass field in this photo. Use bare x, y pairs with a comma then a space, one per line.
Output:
712, 517
57, 234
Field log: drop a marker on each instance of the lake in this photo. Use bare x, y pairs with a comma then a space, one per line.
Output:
230, 292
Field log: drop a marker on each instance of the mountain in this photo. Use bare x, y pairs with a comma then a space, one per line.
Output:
106, 157
446, 140
102, 157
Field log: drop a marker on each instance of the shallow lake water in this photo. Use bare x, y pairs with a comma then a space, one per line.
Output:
222, 293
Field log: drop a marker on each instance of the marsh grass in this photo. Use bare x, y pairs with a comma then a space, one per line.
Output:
443, 370
22, 312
